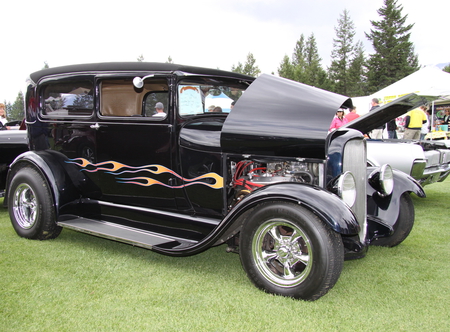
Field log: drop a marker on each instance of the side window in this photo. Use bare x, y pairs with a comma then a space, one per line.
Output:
63, 98
156, 104
119, 98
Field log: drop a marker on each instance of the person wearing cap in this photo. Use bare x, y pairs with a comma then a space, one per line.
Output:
338, 121
159, 107
3, 117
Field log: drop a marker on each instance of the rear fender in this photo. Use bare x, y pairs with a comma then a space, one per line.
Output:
65, 181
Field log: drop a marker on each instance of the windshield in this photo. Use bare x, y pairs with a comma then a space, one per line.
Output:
206, 95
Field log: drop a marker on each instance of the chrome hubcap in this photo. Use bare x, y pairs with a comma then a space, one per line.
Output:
25, 206
282, 252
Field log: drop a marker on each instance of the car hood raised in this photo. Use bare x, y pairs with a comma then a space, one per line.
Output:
280, 117
385, 113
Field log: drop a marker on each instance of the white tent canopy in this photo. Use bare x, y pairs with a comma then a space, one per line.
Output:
427, 81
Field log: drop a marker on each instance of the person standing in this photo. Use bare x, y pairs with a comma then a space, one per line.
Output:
414, 121
392, 129
426, 126
338, 121
159, 108
446, 118
352, 115
3, 117
376, 133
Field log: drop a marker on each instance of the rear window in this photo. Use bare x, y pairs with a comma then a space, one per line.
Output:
68, 98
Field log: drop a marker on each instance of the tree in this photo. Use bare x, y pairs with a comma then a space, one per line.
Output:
315, 75
249, 68
357, 82
46, 66
341, 55
305, 66
447, 68
169, 59
299, 59
287, 69
394, 56
16, 111
140, 58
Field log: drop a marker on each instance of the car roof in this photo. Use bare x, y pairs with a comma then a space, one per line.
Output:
132, 67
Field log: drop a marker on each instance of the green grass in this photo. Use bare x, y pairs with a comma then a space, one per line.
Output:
79, 282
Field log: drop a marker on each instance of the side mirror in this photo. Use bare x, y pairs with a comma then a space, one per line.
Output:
139, 82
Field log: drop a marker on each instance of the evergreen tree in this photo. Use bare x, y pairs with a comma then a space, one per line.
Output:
140, 58
305, 66
299, 60
16, 111
169, 59
341, 55
8, 108
286, 69
357, 82
314, 74
447, 68
394, 56
46, 66
249, 68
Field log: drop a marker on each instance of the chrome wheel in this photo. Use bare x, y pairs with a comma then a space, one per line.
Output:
282, 252
25, 206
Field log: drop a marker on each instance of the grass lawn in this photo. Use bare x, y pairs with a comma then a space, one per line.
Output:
78, 282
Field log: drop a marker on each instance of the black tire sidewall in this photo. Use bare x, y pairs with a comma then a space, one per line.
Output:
326, 245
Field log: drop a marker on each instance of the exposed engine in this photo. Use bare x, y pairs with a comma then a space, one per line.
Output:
249, 175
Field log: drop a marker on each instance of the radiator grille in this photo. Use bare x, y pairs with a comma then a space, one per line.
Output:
355, 161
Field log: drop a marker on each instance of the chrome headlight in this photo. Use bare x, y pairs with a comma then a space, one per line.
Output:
382, 180
347, 188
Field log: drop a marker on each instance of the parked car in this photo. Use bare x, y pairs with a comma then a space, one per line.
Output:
426, 161
12, 144
264, 178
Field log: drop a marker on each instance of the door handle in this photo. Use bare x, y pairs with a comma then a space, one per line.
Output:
95, 126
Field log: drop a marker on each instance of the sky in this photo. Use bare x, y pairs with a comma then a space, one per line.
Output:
204, 33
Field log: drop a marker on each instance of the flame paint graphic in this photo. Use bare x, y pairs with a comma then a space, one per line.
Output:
112, 167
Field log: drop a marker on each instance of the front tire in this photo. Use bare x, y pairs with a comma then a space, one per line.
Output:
286, 250
403, 225
31, 207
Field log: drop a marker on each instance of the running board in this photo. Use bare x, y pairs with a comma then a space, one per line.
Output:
121, 233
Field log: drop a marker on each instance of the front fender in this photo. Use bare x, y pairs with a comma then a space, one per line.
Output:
327, 206
387, 208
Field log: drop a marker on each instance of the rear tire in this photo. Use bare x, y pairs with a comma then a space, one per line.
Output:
403, 225
286, 250
31, 207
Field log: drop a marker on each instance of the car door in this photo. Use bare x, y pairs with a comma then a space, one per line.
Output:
134, 154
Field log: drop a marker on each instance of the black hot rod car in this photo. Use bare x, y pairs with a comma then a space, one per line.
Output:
132, 152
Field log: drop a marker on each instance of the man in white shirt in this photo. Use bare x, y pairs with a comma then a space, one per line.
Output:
159, 107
